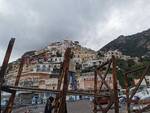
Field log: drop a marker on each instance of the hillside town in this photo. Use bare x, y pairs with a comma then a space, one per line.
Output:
75, 56
42, 68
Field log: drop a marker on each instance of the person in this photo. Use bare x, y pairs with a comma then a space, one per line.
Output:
72, 71
49, 107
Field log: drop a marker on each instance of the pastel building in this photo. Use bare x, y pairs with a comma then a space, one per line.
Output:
86, 81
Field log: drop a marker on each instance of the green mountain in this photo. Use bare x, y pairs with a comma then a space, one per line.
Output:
132, 45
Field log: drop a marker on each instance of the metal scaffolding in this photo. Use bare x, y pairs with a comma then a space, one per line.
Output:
110, 96
130, 96
113, 97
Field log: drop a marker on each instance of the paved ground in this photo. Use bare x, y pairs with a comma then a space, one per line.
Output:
82, 106
73, 107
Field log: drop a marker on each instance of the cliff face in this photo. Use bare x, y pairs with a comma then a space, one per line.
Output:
133, 45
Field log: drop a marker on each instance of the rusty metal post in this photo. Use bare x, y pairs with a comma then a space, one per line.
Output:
115, 87
62, 105
5, 64
95, 92
12, 97
56, 103
127, 94
140, 81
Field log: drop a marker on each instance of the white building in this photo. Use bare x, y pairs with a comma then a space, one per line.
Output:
92, 63
109, 54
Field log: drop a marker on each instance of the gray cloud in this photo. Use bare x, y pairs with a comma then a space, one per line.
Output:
94, 23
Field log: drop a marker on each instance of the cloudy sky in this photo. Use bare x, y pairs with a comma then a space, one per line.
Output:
36, 23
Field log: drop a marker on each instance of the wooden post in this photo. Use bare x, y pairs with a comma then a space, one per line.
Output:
5, 64
115, 87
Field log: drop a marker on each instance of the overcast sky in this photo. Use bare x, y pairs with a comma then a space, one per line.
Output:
94, 23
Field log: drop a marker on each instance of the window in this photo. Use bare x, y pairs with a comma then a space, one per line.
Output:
44, 68
38, 68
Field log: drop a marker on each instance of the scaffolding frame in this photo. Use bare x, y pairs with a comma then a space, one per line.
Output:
113, 92
63, 82
60, 100
129, 97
